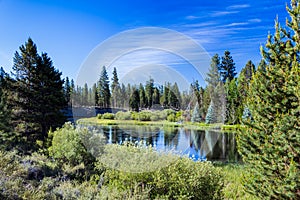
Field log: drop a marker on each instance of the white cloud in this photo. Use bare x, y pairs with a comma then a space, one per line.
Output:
191, 17
223, 13
256, 20
239, 6
236, 24
200, 25
145, 46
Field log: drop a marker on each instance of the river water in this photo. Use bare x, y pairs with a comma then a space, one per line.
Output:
212, 145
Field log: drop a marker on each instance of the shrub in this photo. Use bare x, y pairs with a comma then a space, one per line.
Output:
154, 116
74, 149
99, 116
123, 115
134, 115
171, 117
144, 116
135, 168
108, 116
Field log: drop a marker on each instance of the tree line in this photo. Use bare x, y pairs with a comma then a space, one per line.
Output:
222, 100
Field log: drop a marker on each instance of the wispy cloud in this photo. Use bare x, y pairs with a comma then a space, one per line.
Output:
239, 6
200, 25
191, 17
256, 20
236, 24
223, 13
147, 46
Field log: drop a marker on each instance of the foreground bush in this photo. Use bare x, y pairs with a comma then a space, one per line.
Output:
166, 177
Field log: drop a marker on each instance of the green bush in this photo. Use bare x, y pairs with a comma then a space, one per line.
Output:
74, 150
135, 168
99, 116
154, 116
171, 117
108, 116
123, 115
144, 116
134, 115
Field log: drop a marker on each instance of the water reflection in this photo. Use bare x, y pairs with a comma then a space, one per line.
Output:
197, 144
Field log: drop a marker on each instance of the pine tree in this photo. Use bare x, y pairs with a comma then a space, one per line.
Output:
67, 90
227, 67
72, 88
149, 92
134, 100
115, 89
196, 117
103, 90
85, 95
213, 76
233, 101
5, 113
243, 82
211, 117
165, 96
94, 95
142, 96
156, 96
270, 146
38, 94
216, 91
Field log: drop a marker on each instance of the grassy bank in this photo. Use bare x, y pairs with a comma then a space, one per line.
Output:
165, 123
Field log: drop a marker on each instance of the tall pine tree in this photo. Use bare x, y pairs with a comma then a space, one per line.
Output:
227, 67
270, 145
216, 91
103, 90
38, 94
115, 89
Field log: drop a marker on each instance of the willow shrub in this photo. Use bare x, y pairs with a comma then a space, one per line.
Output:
180, 178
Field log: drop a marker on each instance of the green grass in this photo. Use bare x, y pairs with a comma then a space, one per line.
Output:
96, 121
192, 125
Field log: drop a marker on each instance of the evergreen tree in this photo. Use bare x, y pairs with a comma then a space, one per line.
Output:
196, 117
67, 90
233, 101
149, 92
213, 76
38, 93
142, 96
270, 145
134, 100
156, 96
95, 95
115, 89
172, 99
124, 96
227, 67
217, 93
243, 82
5, 113
85, 95
72, 88
176, 97
165, 96
211, 117
103, 90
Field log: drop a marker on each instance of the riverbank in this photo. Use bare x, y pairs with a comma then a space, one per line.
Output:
164, 123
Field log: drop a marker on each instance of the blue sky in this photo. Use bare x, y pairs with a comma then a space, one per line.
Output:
69, 30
